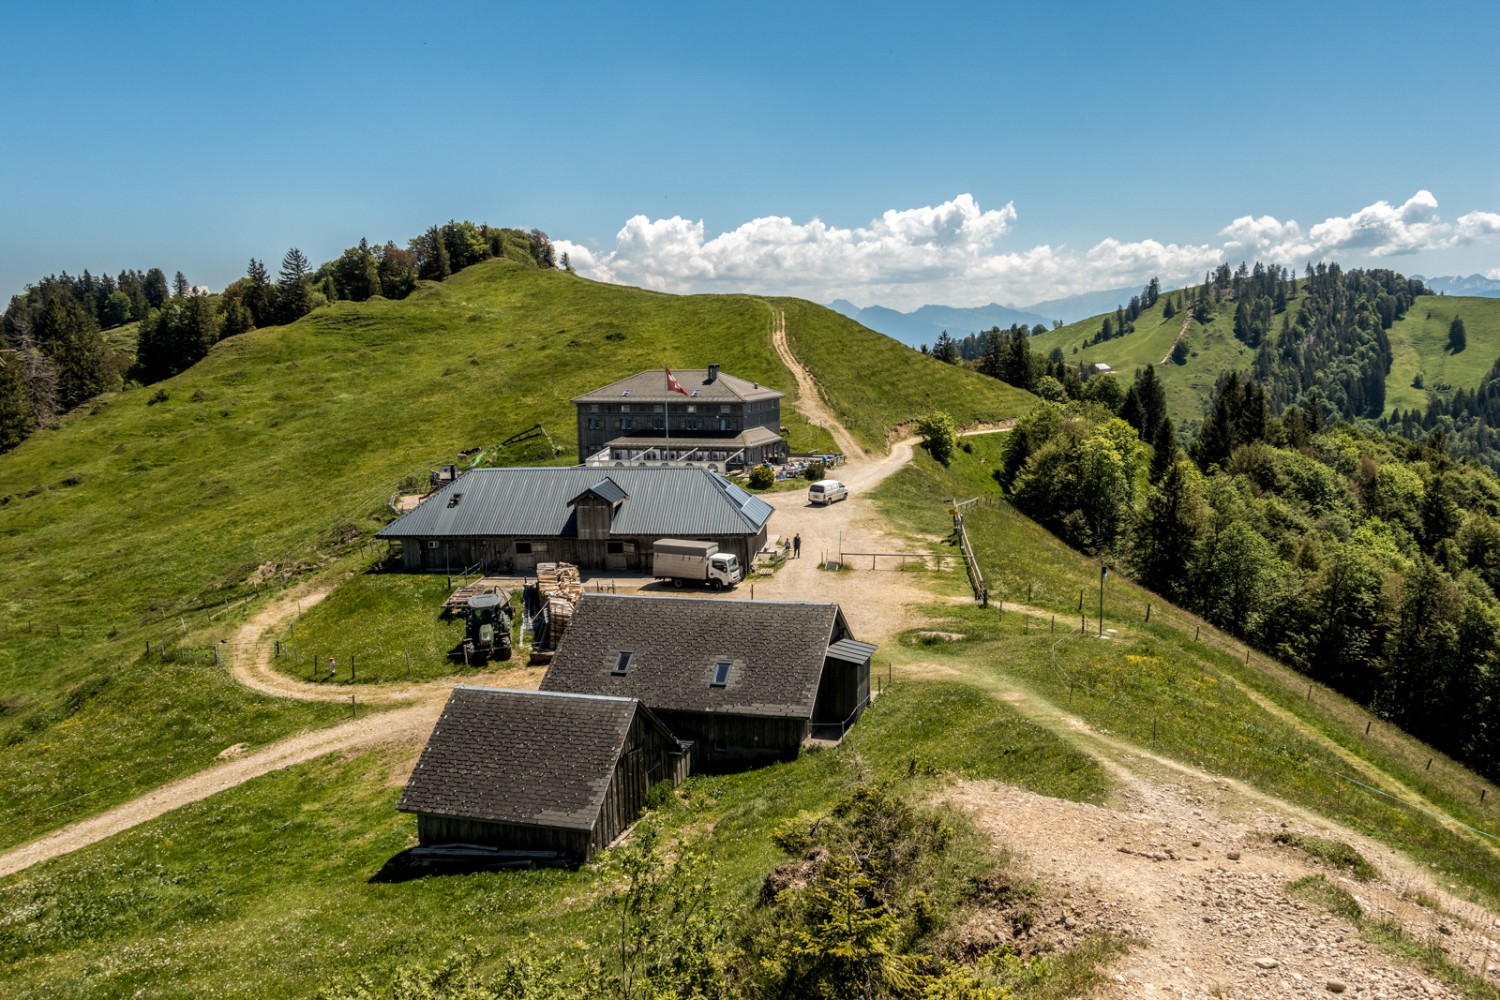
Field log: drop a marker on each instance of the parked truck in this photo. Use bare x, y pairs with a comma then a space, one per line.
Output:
680, 560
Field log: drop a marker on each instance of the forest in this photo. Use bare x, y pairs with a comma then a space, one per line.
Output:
1367, 559
55, 355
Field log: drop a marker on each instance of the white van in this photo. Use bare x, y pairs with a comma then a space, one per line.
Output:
826, 491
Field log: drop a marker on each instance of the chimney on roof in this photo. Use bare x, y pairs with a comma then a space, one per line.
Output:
713, 373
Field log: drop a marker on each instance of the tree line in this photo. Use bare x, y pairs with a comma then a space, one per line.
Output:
1367, 561
54, 355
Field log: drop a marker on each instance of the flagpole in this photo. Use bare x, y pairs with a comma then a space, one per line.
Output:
666, 415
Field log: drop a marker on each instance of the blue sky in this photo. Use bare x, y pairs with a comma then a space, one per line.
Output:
959, 153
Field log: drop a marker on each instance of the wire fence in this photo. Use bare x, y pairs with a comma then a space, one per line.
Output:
1355, 799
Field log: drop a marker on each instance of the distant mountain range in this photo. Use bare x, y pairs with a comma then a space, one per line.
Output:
1474, 284
922, 326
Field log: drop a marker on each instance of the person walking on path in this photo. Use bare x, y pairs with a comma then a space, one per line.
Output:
797, 545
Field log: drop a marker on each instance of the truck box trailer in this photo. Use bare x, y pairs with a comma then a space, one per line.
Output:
681, 560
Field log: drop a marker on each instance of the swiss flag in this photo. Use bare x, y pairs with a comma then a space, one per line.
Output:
673, 385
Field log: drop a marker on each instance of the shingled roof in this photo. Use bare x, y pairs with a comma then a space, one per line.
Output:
525, 757
534, 503
651, 387
775, 650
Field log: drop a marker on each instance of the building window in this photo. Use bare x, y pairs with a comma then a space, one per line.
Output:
614, 548
657, 423
593, 423
593, 407
523, 548
622, 663
692, 409
721, 673
724, 409
625, 424
624, 407
658, 408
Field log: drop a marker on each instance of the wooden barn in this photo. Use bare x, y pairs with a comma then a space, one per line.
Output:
745, 681
508, 520
558, 776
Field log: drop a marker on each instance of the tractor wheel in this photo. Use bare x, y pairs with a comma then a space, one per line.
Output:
676, 582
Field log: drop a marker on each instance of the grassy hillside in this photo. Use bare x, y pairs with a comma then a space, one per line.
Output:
151, 510
1176, 685
888, 384
1419, 346
294, 859
1213, 350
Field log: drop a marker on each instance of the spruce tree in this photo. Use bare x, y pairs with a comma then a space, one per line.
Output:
16, 419
71, 339
1458, 337
294, 291
1164, 449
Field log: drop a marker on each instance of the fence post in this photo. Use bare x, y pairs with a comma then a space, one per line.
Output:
351, 668
1197, 629
407, 654
1148, 611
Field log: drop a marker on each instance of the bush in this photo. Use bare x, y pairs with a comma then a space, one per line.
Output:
939, 435
762, 478
814, 472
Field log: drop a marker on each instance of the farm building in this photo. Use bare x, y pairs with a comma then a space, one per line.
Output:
743, 680
716, 420
508, 520
547, 774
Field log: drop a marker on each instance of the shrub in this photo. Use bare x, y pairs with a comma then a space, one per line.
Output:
762, 478
814, 472
939, 435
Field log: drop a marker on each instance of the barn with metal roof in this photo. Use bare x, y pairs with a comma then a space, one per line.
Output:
508, 520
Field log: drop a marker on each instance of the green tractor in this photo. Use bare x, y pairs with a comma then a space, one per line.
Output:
486, 628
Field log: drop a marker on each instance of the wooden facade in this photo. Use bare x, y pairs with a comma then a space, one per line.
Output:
520, 555
722, 741
843, 692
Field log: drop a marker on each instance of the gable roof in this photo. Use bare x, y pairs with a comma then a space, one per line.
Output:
534, 503
523, 757
605, 489
776, 651
651, 387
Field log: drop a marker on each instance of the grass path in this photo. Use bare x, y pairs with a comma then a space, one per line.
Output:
810, 402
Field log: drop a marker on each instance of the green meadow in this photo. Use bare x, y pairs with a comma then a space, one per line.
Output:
1419, 347
164, 515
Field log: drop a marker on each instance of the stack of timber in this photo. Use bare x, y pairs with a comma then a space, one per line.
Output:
560, 587
459, 599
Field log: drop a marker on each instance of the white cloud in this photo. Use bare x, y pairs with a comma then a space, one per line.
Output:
947, 253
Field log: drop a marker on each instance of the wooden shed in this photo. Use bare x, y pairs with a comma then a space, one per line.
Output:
745, 681
558, 776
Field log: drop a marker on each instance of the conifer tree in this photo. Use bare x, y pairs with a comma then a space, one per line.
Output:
1164, 449
294, 291
71, 338
16, 419
1458, 337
